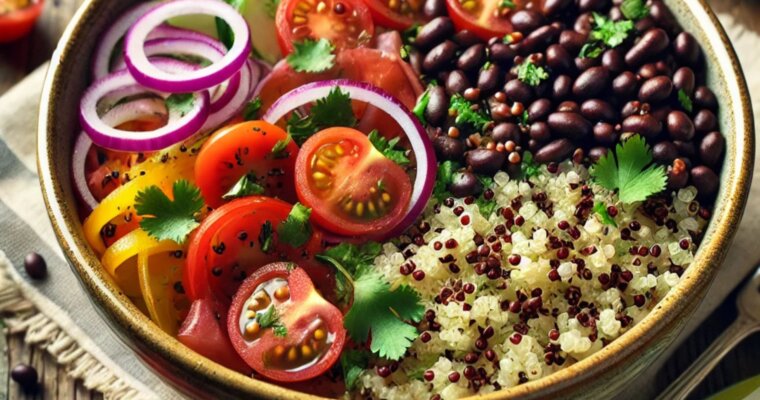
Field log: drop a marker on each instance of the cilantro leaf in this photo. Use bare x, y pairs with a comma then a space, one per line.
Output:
629, 171
279, 150
181, 103
388, 148
295, 230
382, 311
223, 30
332, 110
246, 186
486, 207
421, 106
466, 115
251, 110
265, 237
601, 209
531, 74
167, 219
606, 34
529, 167
634, 9
591, 50
353, 363
351, 258
685, 101
443, 179
312, 56
271, 319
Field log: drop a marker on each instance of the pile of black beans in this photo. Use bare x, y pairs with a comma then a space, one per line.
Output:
586, 105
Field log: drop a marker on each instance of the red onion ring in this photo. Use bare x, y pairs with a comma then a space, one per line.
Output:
421, 145
248, 76
78, 159
148, 75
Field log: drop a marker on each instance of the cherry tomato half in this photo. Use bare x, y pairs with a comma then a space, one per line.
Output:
485, 18
396, 14
247, 148
282, 327
346, 24
16, 23
353, 190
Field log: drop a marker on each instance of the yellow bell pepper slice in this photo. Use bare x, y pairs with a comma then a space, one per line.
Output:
161, 285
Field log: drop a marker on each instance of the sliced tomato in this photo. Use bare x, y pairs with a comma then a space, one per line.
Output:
237, 239
17, 21
485, 18
302, 342
396, 14
346, 24
246, 149
353, 190
205, 332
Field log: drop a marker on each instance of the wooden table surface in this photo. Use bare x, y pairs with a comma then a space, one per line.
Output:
22, 57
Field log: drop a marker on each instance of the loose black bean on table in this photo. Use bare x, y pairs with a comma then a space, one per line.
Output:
652, 84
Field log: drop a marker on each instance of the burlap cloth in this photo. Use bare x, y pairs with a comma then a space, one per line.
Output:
58, 316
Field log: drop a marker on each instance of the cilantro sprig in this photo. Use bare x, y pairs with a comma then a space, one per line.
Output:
252, 109
630, 171
312, 56
271, 319
245, 186
353, 362
606, 34
685, 100
295, 230
531, 74
421, 106
169, 219
601, 210
389, 148
634, 9
332, 110
466, 115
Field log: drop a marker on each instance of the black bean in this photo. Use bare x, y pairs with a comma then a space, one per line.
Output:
645, 125
552, 7
448, 148
554, 151
663, 66
678, 174
648, 71
457, 82
561, 87
517, 90
434, 8
651, 44
685, 149
484, 161
569, 106
415, 60
489, 80
661, 113
644, 24
501, 54
604, 133
597, 152
664, 152
434, 32
438, 106
540, 132
655, 89
569, 124
539, 110
526, 20
705, 121
582, 64
539, 39
705, 98
506, 131
705, 180
686, 49
592, 5
26, 376
465, 38
591, 82
680, 126
625, 84
572, 40
464, 184
684, 79
472, 58
583, 23
711, 149
35, 266
613, 60
558, 58
439, 57
663, 17
630, 108
596, 110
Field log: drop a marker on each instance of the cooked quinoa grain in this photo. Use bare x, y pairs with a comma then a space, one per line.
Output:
537, 285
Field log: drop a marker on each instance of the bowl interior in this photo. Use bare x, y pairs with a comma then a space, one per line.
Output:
69, 76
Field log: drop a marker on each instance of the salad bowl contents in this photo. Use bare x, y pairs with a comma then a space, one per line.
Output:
404, 199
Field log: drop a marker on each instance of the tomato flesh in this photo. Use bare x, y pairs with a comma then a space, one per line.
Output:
345, 23
307, 337
352, 189
485, 18
16, 23
396, 14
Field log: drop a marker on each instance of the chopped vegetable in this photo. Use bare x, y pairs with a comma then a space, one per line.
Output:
295, 230
632, 175
531, 74
246, 186
164, 218
388, 148
312, 56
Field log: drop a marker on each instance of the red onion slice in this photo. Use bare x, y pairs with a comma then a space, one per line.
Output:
249, 76
150, 76
421, 145
179, 127
81, 148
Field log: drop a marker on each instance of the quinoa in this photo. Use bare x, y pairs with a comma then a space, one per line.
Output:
537, 285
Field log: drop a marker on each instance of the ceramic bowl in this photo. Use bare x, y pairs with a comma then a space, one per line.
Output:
598, 376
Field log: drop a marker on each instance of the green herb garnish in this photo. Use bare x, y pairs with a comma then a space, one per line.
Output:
630, 172
531, 74
466, 115
421, 106
312, 56
271, 319
251, 110
295, 230
280, 149
685, 101
606, 34
634, 9
332, 110
601, 210
167, 219
266, 237
181, 103
245, 186
389, 148
353, 363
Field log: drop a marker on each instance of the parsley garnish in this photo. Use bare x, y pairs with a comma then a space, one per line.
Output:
312, 56
223, 30
251, 110
265, 236
246, 186
279, 150
388, 148
466, 115
271, 319
601, 209
685, 101
632, 175
295, 230
443, 178
605, 34
531, 74
634, 9
181, 103
421, 106
332, 110
528, 167
353, 362
167, 219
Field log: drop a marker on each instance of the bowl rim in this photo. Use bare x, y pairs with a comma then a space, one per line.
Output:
736, 179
